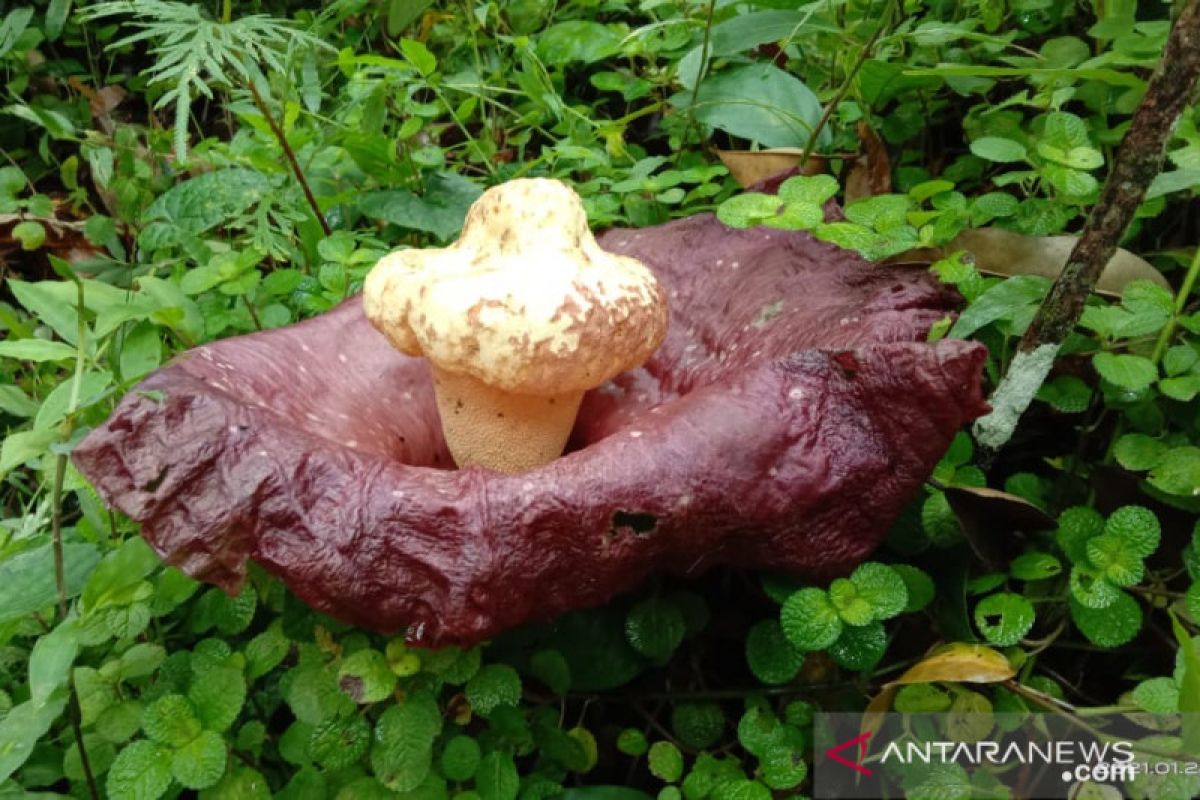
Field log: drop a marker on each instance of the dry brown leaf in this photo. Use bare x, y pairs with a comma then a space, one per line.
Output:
990, 520
958, 662
1000, 252
871, 173
749, 167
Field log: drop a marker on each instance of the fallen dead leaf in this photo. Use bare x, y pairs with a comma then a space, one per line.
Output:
749, 167
992, 519
1000, 252
871, 172
958, 662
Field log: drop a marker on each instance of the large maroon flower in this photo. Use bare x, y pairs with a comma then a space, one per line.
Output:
791, 413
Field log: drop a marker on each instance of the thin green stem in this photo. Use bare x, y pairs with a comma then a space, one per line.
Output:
1185, 291
832, 105
704, 53
291, 156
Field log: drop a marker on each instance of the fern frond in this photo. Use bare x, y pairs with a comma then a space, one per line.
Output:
195, 53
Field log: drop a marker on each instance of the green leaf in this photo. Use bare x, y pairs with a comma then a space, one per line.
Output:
770, 655
738, 34
366, 676
665, 762
1137, 526
655, 628
266, 651
402, 753
241, 783
51, 659
759, 102
882, 587
698, 725
497, 777
917, 585
37, 350
171, 720
142, 771
1004, 618
1137, 451
632, 742
56, 16
419, 56
1189, 686
1127, 371
1112, 626
748, 209
859, 647
27, 579
1115, 559
460, 758
118, 572
12, 26
313, 695
201, 762
338, 742
1035, 566
853, 609
811, 189
809, 620
30, 234
551, 668
1090, 589
1157, 696
577, 41
218, 693
439, 211
1002, 301
1183, 388
1178, 472
205, 201
1000, 150
495, 685
1193, 600
1075, 526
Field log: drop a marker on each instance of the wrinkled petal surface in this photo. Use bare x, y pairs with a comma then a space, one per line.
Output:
791, 413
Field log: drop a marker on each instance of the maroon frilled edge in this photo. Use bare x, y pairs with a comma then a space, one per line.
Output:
791, 413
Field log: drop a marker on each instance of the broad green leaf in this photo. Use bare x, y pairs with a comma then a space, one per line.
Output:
655, 627
859, 647
419, 56
402, 753
205, 201
1127, 371
23, 726
12, 26
171, 720
1157, 696
27, 581
338, 742
121, 569
439, 211
51, 659
1112, 626
1003, 301
1178, 472
201, 762
759, 102
366, 676
497, 777
882, 588
142, 771
1139, 452
665, 762
994, 148
1004, 618
37, 350
698, 725
460, 758
770, 654
1035, 566
1137, 526
218, 694
738, 34
493, 686
582, 41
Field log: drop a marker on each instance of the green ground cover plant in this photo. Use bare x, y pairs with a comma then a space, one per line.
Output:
174, 173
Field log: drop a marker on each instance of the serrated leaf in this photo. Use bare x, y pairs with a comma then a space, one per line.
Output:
655, 628
460, 758
366, 676
1004, 618
201, 762
218, 694
770, 654
1112, 626
809, 620
497, 777
338, 742
1066, 393
402, 753
1178, 472
859, 647
141, 771
1127, 371
171, 720
1157, 696
495, 685
1137, 451
882, 588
